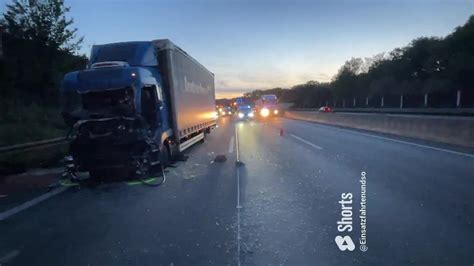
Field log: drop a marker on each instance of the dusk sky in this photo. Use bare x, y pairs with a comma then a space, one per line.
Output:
264, 44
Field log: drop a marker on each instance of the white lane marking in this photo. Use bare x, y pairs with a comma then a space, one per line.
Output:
9, 256
413, 144
6, 214
238, 217
408, 143
237, 144
238, 195
307, 142
396, 140
231, 144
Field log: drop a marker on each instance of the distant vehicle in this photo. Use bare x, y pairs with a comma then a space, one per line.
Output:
240, 101
267, 105
134, 106
325, 109
226, 111
245, 112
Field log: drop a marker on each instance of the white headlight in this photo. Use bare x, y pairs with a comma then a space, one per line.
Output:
264, 112
251, 114
275, 112
241, 115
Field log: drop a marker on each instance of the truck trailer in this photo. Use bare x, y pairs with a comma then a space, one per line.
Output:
135, 107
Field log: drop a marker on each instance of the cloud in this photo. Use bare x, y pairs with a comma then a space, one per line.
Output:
243, 80
264, 72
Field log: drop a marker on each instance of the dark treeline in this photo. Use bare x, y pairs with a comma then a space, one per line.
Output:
39, 46
437, 67
38, 49
31, 73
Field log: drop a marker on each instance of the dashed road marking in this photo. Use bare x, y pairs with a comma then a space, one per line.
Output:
307, 142
409, 143
389, 139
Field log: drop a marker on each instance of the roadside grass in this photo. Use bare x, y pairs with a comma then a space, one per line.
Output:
21, 161
21, 123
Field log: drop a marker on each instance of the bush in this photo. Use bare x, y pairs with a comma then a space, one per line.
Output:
22, 123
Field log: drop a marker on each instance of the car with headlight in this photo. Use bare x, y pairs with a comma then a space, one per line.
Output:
226, 111
245, 112
267, 105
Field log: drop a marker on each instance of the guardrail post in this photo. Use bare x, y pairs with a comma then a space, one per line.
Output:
343, 103
381, 102
426, 99
401, 101
354, 102
458, 99
366, 101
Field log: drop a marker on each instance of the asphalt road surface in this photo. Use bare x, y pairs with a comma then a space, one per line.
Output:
280, 205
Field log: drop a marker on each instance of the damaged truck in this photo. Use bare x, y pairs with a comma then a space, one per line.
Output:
135, 107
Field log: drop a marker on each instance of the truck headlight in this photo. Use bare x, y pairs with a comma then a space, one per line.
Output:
241, 115
251, 114
275, 112
264, 112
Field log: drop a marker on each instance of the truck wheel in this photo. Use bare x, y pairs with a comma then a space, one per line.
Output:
165, 156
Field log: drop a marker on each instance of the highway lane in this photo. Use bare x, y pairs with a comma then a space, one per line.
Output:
419, 205
190, 220
420, 201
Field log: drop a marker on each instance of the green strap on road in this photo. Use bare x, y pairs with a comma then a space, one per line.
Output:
68, 183
138, 182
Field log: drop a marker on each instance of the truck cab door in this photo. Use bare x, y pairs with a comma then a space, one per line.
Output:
150, 106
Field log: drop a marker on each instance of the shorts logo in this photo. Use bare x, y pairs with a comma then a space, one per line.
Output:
344, 243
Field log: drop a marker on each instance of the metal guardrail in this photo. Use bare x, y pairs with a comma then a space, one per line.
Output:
421, 111
33, 145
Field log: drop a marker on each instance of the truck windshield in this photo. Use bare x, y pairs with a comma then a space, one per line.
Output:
115, 52
110, 99
269, 98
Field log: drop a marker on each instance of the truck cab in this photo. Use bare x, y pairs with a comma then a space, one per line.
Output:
135, 105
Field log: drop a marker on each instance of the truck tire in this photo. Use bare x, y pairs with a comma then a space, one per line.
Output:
165, 155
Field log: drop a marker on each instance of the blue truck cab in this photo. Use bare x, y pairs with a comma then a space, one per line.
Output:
135, 106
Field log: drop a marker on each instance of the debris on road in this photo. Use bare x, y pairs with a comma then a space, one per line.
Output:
220, 158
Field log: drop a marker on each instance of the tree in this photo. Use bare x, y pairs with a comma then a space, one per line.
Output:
437, 66
43, 21
38, 44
